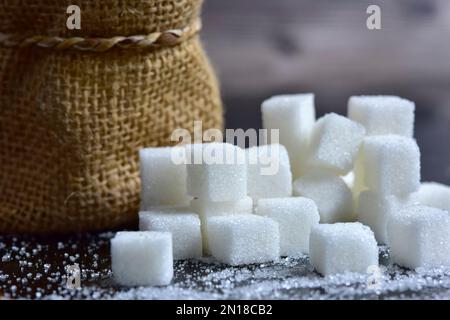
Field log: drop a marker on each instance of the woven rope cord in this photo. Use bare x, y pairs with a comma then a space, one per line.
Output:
153, 40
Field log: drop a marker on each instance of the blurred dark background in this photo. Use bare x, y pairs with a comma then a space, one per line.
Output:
265, 47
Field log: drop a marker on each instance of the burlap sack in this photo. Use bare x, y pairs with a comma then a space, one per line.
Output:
72, 121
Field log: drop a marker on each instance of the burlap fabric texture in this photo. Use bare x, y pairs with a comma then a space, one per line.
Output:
72, 120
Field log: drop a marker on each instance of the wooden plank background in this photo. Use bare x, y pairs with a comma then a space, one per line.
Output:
265, 47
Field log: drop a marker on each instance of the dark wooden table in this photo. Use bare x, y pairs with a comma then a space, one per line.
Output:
39, 268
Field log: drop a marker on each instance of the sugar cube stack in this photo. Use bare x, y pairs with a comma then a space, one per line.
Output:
241, 207
330, 193
335, 144
217, 176
433, 194
243, 239
375, 210
212, 168
383, 115
142, 258
269, 172
184, 227
380, 115
390, 167
163, 181
295, 216
294, 116
342, 247
419, 236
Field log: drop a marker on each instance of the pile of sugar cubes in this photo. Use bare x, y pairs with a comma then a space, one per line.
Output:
342, 185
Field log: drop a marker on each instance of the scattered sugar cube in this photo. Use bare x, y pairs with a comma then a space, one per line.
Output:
184, 227
419, 236
207, 209
391, 164
383, 115
335, 144
433, 194
342, 247
330, 193
296, 217
243, 239
216, 172
142, 258
269, 172
375, 209
163, 180
294, 115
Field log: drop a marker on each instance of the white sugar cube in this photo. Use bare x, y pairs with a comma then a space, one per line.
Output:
142, 258
375, 209
383, 115
269, 172
335, 144
419, 236
330, 193
295, 216
433, 194
243, 239
391, 164
216, 172
163, 181
184, 227
342, 247
207, 209
294, 115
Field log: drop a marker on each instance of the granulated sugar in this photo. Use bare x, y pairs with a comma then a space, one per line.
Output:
36, 268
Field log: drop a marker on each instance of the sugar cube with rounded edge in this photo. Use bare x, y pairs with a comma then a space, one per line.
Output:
142, 258
419, 236
163, 182
243, 239
294, 116
335, 144
342, 247
382, 115
391, 164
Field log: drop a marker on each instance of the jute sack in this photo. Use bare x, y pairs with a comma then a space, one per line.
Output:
76, 106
